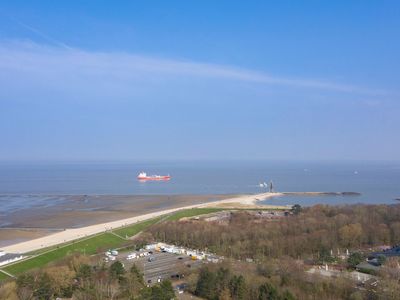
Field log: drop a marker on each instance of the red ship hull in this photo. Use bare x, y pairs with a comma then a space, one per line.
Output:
154, 178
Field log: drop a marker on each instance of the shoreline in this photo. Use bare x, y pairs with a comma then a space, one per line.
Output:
26, 219
72, 234
321, 194
75, 211
232, 202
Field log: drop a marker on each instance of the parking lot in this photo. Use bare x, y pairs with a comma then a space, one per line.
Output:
159, 266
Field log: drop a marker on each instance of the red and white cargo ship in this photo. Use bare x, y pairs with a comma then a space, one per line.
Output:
143, 176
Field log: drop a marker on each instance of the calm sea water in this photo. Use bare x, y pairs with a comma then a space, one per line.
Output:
377, 182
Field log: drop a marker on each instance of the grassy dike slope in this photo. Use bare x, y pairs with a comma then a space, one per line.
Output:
91, 244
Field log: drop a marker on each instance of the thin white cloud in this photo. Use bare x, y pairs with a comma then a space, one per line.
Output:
39, 60
43, 35
37, 32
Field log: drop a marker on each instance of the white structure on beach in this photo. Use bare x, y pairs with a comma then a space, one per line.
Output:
7, 258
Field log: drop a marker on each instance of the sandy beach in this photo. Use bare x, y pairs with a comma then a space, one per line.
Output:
76, 233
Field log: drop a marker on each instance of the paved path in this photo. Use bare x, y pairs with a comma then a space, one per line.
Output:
8, 274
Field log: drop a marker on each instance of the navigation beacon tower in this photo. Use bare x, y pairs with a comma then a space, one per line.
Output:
271, 187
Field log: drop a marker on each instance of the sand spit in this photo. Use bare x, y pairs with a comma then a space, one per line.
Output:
68, 235
60, 212
75, 211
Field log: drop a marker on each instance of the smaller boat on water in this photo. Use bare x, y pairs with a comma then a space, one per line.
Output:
143, 176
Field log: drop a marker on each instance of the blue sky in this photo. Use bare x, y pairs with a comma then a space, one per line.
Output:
130, 80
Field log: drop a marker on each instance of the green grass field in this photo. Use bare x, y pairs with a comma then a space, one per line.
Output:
132, 230
47, 249
187, 213
88, 246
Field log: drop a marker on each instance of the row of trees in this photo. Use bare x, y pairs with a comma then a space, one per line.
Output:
315, 229
276, 279
285, 279
222, 284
